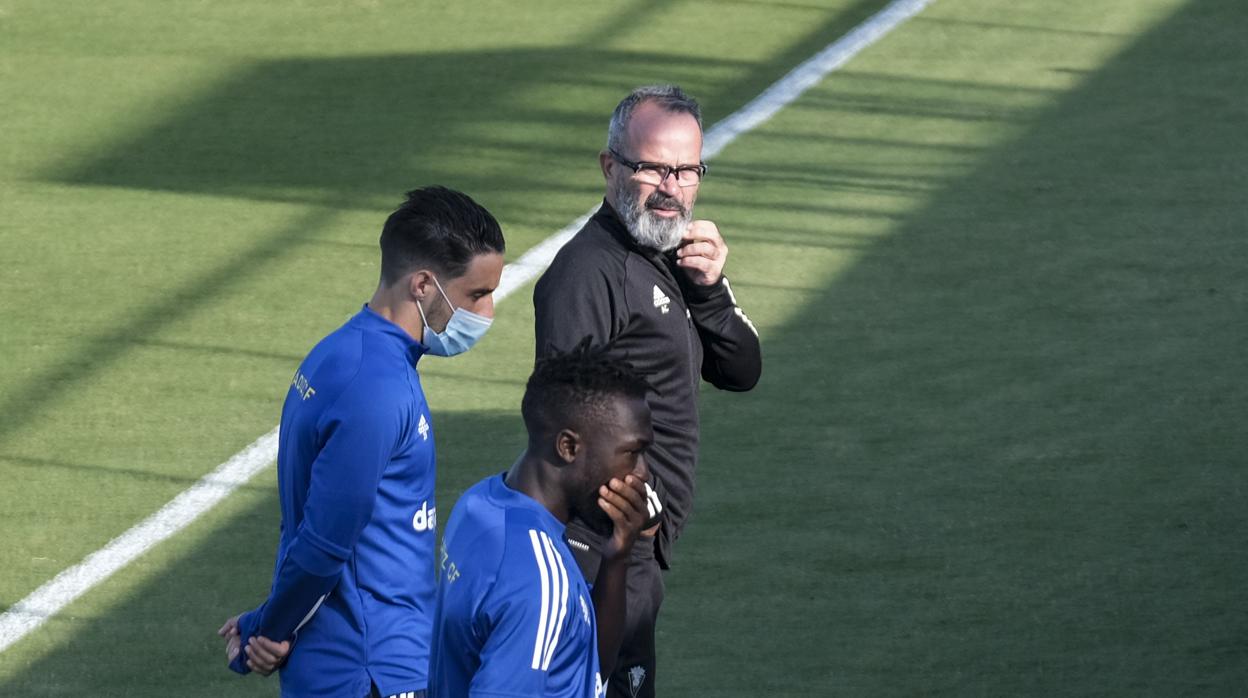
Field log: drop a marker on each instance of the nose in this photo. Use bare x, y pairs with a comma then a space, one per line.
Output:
642, 468
669, 186
487, 306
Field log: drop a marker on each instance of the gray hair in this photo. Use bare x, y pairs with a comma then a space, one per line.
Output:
670, 97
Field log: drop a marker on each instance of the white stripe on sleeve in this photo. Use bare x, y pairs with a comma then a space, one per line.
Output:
563, 603
540, 643
556, 589
311, 613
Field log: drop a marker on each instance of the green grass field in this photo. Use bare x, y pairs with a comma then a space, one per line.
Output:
997, 263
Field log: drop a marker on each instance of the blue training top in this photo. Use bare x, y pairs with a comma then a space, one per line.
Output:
515, 617
354, 578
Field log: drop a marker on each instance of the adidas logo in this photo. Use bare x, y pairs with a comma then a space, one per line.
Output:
661, 301
423, 428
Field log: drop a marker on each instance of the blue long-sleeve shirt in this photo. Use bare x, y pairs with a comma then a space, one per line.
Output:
354, 579
515, 618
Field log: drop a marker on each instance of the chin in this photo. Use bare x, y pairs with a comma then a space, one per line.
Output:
657, 232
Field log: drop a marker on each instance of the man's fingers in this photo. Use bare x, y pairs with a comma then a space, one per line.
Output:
615, 501
277, 649
230, 627
612, 510
627, 522
630, 501
698, 263
631, 488
696, 249
702, 230
703, 252
259, 668
264, 651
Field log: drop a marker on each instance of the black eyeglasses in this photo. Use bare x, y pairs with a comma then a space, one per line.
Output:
655, 173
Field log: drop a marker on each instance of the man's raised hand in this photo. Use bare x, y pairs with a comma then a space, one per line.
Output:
702, 253
625, 502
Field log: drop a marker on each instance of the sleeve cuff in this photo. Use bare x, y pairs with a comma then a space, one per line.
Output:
246, 628
701, 295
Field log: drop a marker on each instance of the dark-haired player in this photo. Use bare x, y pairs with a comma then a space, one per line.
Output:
352, 600
515, 616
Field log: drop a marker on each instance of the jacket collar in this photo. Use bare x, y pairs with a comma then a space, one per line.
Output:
370, 320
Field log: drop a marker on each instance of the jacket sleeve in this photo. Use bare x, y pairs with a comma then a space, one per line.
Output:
731, 356
341, 496
520, 630
575, 301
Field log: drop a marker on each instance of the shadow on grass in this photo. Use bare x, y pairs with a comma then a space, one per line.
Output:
171, 622
1004, 453
1023, 474
355, 132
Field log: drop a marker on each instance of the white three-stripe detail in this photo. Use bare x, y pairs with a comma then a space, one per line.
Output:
554, 577
552, 621
563, 600
552, 615
540, 643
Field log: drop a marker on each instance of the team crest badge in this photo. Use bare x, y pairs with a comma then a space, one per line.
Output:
636, 677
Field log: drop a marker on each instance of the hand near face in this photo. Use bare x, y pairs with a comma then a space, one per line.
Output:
702, 253
625, 502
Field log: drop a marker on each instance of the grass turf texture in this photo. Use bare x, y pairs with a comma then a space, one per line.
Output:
998, 446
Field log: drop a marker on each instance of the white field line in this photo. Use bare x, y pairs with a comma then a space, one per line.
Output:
49, 599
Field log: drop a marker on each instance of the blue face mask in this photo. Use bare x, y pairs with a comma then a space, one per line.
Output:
462, 330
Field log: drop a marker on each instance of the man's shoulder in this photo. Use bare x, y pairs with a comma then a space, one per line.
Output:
592, 250
492, 537
535, 556
351, 348
481, 513
366, 363
475, 516
474, 537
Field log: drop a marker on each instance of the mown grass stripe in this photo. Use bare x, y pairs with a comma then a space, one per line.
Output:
46, 601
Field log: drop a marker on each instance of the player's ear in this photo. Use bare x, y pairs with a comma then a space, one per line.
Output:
568, 445
606, 162
420, 284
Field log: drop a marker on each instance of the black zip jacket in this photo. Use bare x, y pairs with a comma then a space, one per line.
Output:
643, 307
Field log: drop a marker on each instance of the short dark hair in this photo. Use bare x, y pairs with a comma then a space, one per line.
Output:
573, 389
438, 228
669, 97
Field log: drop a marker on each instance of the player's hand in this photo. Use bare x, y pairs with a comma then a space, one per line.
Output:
625, 502
702, 253
264, 656
229, 631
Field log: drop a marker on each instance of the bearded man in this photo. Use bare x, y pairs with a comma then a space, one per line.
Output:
645, 280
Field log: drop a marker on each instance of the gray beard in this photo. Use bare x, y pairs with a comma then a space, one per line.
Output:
647, 229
